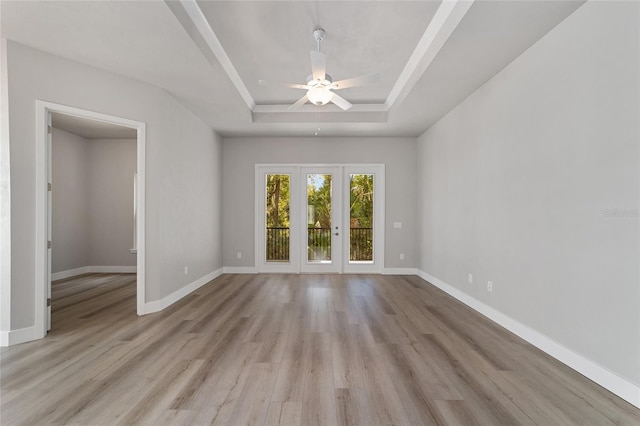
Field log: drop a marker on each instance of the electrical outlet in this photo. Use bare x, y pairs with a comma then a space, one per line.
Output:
470, 278
401, 256
489, 286
239, 255
186, 270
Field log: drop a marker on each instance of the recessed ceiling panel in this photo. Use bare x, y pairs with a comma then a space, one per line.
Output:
271, 41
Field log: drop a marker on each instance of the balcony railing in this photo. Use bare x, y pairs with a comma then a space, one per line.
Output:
277, 244
319, 244
361, 244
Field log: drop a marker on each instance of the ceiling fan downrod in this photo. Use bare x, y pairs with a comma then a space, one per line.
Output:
318, 34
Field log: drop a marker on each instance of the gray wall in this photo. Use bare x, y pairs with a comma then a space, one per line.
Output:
239, 159
70, 215
183, 172
92, 222
112, 164
516, 185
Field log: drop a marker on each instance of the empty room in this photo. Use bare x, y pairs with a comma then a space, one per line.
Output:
320, 212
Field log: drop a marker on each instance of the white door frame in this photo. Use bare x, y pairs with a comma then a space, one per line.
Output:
43, 213
297, 241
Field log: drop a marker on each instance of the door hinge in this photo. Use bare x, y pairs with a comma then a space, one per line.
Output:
49, 244
49, 129
48, 301
49, 186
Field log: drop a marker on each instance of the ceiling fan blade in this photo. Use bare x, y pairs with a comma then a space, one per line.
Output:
290, 85
356, 81
318, 65
303, 100
341, 102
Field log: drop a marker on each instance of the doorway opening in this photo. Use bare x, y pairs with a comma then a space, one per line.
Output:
110, 142
320, 218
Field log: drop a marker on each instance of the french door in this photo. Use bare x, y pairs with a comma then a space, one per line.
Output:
321, 234
319, 218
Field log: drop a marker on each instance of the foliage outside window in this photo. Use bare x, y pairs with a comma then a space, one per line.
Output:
277, 218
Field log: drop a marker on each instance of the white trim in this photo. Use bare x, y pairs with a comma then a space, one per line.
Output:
141, 217
43, 109
441, 26
69, 273
313, 109
399, 271
625, 389
15, 337
5, 194
113, 269
242, 270
93, 269
211, 39
158, 305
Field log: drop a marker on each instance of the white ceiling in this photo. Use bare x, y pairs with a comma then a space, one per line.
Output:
91, 129
210, 54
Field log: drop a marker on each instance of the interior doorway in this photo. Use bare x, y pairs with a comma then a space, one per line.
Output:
320, 218
46, 111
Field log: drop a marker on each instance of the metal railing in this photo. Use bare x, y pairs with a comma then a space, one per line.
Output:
319, 244
361, 244
277, 244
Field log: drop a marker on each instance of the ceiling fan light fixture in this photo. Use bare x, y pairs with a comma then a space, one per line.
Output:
320, 85
319, 95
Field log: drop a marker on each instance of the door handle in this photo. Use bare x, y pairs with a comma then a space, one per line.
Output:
336, 234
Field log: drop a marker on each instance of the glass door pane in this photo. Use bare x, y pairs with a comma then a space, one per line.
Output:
277, 232
319, 221
321, 216
361, 218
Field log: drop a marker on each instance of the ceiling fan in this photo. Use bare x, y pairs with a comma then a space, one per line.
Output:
320, 87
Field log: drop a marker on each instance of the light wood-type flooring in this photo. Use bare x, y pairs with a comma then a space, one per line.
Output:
289, 350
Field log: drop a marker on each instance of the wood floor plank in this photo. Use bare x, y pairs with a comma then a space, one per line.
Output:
284, 414
288, 350
352, 407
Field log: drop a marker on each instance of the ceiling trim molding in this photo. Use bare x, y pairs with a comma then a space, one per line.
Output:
447, 17
211, 39
363, 113
442, 25
333, 117
309, 108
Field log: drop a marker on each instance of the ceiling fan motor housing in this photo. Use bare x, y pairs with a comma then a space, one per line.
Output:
318, 34
326, 82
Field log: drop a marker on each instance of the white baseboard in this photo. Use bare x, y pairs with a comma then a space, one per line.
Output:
113, 269
239, 270
69, 273
399, 271
625, 389
15, 337
93, 269
158, 305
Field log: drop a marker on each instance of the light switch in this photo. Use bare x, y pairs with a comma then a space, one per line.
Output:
397, 224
